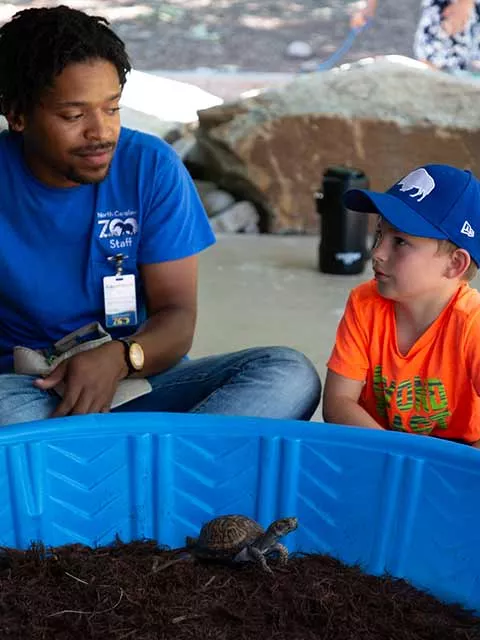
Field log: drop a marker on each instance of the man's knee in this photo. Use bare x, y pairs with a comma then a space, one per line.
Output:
296, 368
20, 401
291, 374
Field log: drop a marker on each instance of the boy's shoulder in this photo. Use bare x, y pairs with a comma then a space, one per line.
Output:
467, 304
369, 305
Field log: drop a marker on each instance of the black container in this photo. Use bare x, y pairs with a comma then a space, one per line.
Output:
343, 244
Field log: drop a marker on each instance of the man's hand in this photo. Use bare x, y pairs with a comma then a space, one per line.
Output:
90, 380
358, 19
455, 17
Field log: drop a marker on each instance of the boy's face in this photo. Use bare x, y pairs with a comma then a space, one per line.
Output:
406, 266
70, 136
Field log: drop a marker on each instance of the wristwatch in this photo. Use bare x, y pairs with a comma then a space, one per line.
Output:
134, 356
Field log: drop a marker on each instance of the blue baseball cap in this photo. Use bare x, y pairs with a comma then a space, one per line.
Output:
434, 201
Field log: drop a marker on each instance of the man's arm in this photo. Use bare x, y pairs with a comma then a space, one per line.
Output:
340, 402
171, 292
91, 377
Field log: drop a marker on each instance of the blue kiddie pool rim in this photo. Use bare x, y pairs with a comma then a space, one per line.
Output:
188, 424
415, 450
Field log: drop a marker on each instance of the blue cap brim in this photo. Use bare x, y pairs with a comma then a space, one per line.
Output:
394, 210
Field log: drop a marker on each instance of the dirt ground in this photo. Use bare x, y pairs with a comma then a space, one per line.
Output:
243, 35
133, 591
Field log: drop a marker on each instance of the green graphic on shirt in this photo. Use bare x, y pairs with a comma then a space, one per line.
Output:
427, 397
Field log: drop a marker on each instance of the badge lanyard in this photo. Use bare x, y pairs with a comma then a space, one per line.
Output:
119, 295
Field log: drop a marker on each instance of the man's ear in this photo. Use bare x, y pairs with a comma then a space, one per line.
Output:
16, 122
459, 262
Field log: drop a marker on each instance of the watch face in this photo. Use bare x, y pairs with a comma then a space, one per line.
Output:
136, 356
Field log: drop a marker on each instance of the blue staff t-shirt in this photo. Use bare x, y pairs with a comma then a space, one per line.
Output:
55, 242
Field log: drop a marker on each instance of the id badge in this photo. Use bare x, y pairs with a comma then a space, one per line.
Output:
120, 300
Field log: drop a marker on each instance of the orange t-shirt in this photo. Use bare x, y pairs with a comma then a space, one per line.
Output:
435, 388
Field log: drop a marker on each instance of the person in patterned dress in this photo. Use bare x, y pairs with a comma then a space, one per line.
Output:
447, 35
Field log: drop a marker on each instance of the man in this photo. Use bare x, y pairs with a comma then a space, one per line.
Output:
81, 196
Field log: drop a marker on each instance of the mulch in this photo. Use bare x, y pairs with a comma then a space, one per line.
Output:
136, 591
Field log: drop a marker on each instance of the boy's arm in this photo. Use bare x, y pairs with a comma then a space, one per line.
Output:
349, 362
340, 402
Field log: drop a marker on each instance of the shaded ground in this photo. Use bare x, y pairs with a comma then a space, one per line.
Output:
249, 34
113, 593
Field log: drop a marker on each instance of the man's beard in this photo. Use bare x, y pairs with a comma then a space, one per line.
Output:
79, 178
72, 175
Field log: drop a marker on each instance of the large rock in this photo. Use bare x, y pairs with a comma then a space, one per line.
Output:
240, 217
385, 117
165, 99
163, 107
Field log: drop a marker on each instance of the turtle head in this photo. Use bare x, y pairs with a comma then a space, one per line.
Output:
281, 527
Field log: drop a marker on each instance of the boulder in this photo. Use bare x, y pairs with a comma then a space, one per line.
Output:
165, 99
164, 107
242, 217
217, 201
384, 116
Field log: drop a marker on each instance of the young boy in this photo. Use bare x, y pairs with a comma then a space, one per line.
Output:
407, 352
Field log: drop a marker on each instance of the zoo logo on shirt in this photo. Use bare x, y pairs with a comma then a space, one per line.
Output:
119, 227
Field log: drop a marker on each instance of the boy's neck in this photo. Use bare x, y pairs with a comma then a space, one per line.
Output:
414, 317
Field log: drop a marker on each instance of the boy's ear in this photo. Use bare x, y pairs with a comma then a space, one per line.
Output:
459, 262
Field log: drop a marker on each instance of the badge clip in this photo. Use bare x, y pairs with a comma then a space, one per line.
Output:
118, 258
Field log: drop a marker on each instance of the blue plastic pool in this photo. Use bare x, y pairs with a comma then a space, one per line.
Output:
392, 502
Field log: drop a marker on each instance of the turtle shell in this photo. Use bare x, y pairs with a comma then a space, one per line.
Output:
226, 536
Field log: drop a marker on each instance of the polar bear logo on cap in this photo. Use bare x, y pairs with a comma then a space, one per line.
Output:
420, 181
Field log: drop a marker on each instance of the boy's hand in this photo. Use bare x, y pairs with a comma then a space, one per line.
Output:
90, 380
455, 17
340, 402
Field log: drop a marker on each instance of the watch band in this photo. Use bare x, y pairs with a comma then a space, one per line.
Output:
126, 348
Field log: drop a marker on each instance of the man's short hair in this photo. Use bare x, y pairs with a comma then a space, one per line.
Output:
37, 45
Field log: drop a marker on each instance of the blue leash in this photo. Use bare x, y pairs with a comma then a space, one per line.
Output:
343, 48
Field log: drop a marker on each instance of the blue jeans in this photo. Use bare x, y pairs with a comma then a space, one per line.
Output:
274, 382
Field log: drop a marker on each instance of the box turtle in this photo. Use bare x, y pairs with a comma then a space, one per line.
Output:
241, 539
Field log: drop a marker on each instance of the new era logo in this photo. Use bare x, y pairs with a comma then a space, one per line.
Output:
467, 230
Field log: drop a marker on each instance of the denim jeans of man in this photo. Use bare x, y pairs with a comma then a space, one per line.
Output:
272, 382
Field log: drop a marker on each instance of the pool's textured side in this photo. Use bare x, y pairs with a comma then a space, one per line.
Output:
396, 503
